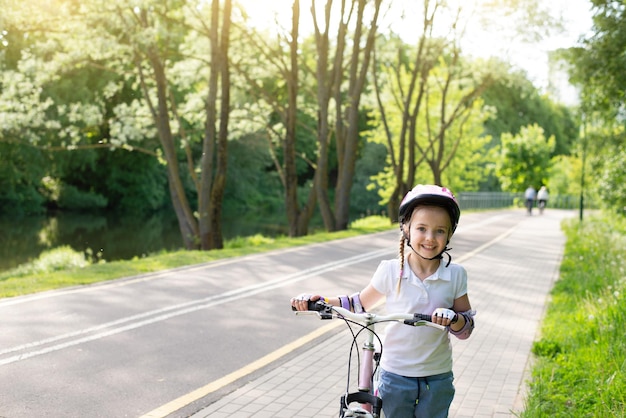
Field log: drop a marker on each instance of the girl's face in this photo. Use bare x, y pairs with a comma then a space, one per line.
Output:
429, 230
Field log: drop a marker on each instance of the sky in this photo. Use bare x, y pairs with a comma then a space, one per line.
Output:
533, 59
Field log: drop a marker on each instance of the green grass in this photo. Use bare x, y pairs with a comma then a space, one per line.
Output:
64, 267
580, 360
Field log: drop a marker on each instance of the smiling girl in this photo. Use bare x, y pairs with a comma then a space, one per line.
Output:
416, 378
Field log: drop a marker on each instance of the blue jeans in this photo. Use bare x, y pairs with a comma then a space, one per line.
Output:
416, 397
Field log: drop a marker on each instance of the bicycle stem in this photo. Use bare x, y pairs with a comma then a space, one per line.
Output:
365, 374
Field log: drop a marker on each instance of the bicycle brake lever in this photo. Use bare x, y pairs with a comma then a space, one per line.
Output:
326, 312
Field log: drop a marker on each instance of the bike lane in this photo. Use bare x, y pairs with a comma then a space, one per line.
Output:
510, 278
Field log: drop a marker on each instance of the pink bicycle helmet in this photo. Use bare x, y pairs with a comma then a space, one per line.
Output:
430, 195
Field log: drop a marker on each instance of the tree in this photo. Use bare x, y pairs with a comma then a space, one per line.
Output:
41, 111
598, 64
456, 98
406, 85
611, 181
597, 68
148, 38
525, 159
278, 84
428, 101
519, 103
143, 51
516, 103
297, 219
214, 151
341, 77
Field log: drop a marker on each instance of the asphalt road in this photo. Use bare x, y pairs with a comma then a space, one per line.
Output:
124, 348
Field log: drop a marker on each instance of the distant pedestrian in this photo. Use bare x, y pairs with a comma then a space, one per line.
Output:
530, 195
542, 198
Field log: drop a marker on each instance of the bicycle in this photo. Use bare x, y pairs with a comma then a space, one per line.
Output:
529, 206
370, 404
541, 205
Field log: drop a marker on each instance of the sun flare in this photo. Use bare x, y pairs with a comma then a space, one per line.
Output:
268, 14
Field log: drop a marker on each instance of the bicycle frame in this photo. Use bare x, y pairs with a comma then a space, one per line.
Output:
367, 394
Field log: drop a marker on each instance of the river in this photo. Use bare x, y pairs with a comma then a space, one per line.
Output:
108, 237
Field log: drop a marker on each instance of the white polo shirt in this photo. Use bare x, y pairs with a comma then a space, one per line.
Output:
418, 351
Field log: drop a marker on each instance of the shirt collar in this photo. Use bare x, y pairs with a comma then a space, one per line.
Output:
442, 273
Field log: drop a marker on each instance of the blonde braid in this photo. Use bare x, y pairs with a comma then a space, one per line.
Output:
401, 257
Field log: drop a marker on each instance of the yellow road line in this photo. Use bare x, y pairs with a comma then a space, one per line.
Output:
199, 393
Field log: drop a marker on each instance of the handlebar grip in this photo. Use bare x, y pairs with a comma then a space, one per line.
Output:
418, 318
422, 317
317, 306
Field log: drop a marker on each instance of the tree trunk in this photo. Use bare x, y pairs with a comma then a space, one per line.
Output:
219, 186
348, 133
215, 142
289, 143
186, 221
325, 81
330, 83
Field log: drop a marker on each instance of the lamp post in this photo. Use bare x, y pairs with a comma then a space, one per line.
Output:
582, 174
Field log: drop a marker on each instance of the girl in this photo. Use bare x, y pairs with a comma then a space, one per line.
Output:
416, 378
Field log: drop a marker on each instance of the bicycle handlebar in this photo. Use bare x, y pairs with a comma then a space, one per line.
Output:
327, 311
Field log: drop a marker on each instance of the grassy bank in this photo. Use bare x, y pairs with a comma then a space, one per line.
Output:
63, 267
580, 358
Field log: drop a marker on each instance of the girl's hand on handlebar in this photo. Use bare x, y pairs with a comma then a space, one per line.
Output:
301, 302
443, 316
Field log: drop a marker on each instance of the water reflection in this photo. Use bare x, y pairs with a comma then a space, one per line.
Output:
110, 237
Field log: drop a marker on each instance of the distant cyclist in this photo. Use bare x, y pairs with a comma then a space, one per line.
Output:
416, 378
542, 198
530, 195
